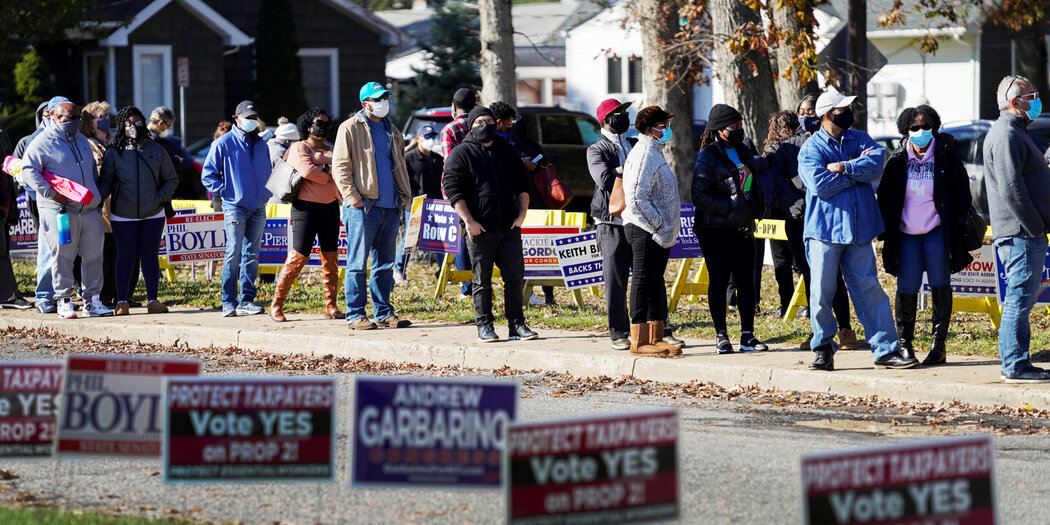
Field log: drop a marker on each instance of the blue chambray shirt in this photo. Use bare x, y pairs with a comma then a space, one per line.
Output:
841, 207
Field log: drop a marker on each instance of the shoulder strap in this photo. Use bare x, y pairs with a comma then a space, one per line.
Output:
156, 179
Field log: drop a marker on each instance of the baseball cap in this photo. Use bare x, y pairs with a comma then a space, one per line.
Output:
373, 90
246, 109
830, 100
426, 131
610, 105
56, 101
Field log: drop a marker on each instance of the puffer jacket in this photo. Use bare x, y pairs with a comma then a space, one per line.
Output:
717, 197
140, 180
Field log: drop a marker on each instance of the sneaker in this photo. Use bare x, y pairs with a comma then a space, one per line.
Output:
18, 303
674, 341
361, 323
249, 308
229, 310
803, 312
45, 306
96, 309
65, 309
521, 332
1029, 375
722, 344
750, 343
122, 308
394, 322
399, 278
487, 334
621, 344
156, 307
536, 301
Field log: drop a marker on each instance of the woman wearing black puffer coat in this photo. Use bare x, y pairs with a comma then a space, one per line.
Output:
924, 198
728, 200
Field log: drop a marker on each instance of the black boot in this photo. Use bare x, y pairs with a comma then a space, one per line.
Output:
904, 311
942, 315
825, 357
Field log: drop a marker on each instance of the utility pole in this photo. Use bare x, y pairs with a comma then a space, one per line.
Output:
857, 27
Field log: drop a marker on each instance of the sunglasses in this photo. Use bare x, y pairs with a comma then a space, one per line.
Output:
1030, 96
917, 127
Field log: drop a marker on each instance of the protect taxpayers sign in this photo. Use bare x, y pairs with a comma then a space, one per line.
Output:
609, 469
438, 433
111, 405
28, 407
937, 482
249, 429
198, 237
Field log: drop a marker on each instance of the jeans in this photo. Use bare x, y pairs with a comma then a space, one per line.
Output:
927, 252
87, 233
729, 253
616, 268
45, 289
462, 260
648, 262
138, 240
371, 231
502, 250
840, 303
1023, 258
244, 229
401, 266
857, 264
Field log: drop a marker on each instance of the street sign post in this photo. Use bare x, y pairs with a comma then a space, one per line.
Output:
184, 82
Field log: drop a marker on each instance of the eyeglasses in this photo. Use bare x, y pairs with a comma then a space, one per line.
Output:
918, 127
1030, 96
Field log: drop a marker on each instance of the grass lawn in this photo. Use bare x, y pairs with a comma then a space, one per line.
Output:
50, 516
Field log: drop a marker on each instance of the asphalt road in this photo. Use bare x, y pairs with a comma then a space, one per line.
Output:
739, 464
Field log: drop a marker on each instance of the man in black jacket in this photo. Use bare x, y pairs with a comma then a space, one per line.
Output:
485, 181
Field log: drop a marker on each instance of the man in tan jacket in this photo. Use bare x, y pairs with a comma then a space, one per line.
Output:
368, 165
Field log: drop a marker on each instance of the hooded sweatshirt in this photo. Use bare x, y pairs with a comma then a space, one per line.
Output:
237, 168
62, 155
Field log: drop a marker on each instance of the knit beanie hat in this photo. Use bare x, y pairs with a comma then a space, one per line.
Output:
721, 116
478, 111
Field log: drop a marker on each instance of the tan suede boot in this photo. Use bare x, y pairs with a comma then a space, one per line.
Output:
330, 270
640, 342
289, 271
656, 338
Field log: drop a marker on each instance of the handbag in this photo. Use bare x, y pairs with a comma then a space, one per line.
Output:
554, 192
617, 200
973, 237
284, 181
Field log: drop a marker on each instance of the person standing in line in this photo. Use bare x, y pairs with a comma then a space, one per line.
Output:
838, 165
368, 165
1018, 182
728, 201
924, 198
45, 291
782, 126
95, 126
315, 214
283, 137
424, 172
651, 223
463, 101
9, 294
237, 168
485, 181
139, 178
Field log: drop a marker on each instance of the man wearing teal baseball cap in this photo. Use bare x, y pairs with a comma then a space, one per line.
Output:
368, 166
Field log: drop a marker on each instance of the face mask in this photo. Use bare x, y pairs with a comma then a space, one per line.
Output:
132, 133
666, 137
843, 120
736, 137
320, 129
1035, 108
620, 124
102, 125
70, 128
380, 108
920, 138
809, 124
428, 144
249, 125
484, 132
164, 133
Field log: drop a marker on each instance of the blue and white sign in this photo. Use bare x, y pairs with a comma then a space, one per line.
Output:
439, 228
1044, 286
424, 432
580, 259
22, 233
686, 246
274, 248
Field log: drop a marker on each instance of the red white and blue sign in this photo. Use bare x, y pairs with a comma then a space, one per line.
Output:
275, 244
686, 246
29, 393
537, 248
439, 227
580, 259
436, 433
23, 235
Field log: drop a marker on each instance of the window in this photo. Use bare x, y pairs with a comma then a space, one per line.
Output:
559, 129
588, 131
321, 77
152, 73
635, 75
615, 75
94, 76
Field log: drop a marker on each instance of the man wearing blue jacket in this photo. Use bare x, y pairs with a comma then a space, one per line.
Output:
237, 168
838, 165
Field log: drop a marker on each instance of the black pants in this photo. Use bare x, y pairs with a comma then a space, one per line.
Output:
648, 263
503, 250
782, 270
616, 267
729, 253
8, 284
311, 220
840, 302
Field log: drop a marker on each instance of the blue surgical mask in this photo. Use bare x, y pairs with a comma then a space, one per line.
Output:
809, 124
249, 125
920, 138
1035, 108
666, 136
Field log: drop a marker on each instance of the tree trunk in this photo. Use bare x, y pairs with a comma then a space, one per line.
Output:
858, 59
1030, 57
789, 92
660, 25
498, 77
747, 80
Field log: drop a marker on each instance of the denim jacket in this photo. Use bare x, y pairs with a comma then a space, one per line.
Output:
841, 207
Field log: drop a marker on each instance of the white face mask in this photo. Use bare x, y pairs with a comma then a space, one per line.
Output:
165, 133
380, 108
428, 144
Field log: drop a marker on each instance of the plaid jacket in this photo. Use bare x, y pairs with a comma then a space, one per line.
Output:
452, 134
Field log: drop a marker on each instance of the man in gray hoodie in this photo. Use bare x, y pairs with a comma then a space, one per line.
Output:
1018, 183
62, 151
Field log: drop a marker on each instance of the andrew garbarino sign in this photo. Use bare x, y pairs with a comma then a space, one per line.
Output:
441, 433
609, 469
946, 481
28, 407
249, 429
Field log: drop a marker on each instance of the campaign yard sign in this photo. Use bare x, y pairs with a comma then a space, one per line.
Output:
28, 406
976, 280
439, 227
687, 246
580, 260
22, 234
197, 237
315, 249
608, 469
224, 429
275, 246
1044, 285
111, 405
422, 432
537, 248
415, 221
937, 482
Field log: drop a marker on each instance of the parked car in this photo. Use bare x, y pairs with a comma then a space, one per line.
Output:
564, 136
436, 117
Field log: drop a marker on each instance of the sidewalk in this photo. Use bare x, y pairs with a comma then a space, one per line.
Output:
970, 380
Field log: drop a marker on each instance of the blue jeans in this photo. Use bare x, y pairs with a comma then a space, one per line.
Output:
462, 262
244, 229
45, 288
1023, 258
370, 231
401, 264
857, 262
927, 252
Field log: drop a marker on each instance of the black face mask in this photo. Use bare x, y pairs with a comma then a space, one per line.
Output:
809, 124
320, 129
484, 132
843, 120
736, 137
619, 124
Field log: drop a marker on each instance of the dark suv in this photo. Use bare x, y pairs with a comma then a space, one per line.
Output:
564, 136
